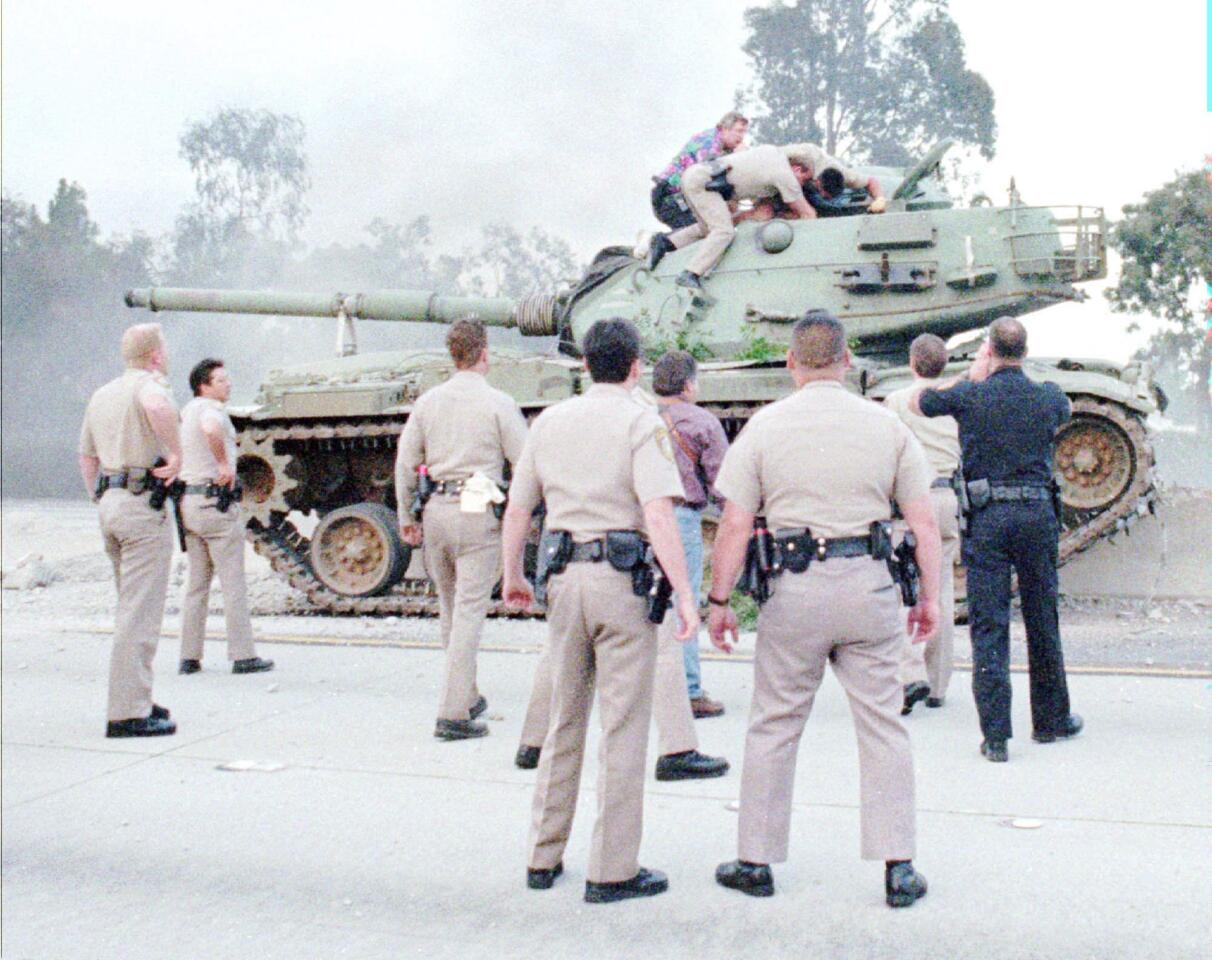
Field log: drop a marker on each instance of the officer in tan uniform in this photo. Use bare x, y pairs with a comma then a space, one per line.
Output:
463, 431
759, 174
926, 667
603, 463
129, 423
214, 530
823, 466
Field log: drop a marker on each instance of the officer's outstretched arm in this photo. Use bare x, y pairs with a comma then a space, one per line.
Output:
667, 545
919, 514
515, 527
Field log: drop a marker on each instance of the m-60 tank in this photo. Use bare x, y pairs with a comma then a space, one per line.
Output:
320, 438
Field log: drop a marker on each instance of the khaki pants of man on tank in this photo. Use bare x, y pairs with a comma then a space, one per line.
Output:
214, 543
670, 704
930, 662
599, 635
139, 543
847, 607
714, 229
463, 559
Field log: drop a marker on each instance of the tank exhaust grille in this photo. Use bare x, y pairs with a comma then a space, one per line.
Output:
536, 315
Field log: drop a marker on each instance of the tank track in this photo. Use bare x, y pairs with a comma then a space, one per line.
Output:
286, 549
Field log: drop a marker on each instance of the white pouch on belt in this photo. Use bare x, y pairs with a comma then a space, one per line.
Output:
478, 492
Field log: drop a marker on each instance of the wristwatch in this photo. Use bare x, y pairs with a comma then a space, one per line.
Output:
718, 603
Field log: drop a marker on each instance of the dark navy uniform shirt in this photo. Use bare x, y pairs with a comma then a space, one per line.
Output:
1006, 424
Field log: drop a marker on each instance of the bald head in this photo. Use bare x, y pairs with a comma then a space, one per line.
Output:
1008, 339
140, 343
818, 341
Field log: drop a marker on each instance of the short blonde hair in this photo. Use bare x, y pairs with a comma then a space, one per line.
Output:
731, 118
140, 342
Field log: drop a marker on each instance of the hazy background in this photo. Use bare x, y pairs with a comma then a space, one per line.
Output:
542, 114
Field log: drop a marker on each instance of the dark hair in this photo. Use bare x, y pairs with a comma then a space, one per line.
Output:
832, 181
466, 340
199, 376
672, 372
928, 355
1008, 338
611, 347
818, 340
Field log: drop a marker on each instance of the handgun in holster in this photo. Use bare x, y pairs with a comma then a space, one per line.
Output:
963, 506
425, 488
555, 547
498, 509
226, 496
159, 492
760, 565
718, 183
904, 568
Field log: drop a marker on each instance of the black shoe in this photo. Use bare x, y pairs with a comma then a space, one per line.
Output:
657, 248
251, 665
478, 707
151, 726
689, 765
754, 879
934, 702
159, 712
903, 886
994, 751
688, 279
460, 730
189, 666
646, 883
527, 757
543, 879
1070, 727
914, 693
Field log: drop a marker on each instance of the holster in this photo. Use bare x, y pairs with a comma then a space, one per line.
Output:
760, 566
1057, 504
226, 496
963, 506
425, 488
902, 564
719, 180
498, 509
980, 493
555, 547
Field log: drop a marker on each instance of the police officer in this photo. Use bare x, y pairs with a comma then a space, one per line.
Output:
603, 464
1007, 425
668, 204
462, 431
130, 423
761, 173
214, 530
926, 668
823, 466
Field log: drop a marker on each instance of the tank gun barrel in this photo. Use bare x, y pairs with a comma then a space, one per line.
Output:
533, 316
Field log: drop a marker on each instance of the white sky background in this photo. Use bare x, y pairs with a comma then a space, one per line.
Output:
554, 114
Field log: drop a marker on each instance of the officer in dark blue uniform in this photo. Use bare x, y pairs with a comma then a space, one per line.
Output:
1007, 423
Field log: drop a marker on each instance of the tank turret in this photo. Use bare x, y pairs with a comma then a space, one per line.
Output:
320, 438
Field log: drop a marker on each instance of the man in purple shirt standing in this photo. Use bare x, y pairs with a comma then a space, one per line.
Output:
699, 445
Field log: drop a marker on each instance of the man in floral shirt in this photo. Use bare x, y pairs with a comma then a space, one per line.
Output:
667, 202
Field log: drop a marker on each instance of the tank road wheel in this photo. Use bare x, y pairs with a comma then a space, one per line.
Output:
264, 476
356, 551
1096, 460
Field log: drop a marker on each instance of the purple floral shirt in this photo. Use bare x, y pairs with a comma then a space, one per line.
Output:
700, 148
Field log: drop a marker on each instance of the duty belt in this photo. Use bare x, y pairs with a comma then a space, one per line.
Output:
213, 489
1019, 491
941, 483
589, 552
137, 481
448, 487
822, 548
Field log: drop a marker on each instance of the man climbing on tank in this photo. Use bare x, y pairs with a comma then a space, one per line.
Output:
762, 174
668, 204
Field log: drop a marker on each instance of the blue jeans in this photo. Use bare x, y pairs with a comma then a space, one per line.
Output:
690, 529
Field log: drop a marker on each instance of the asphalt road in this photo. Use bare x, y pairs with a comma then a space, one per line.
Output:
360, 835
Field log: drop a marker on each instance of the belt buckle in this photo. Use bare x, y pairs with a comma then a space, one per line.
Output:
822, 549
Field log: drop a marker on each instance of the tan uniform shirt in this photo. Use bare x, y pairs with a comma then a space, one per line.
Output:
762, 172
824, 459
456, 429
198, 463
811, 156
596, 459
939, 436
116, 429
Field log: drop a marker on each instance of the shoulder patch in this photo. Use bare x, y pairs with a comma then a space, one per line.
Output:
663, 441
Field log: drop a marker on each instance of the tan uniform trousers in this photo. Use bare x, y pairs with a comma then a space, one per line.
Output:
463, 559
850, 608
714, 227
214, 543
670, 703
930, 662
600, 636
139, 543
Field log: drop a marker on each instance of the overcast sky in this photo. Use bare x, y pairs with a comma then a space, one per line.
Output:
553, 114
